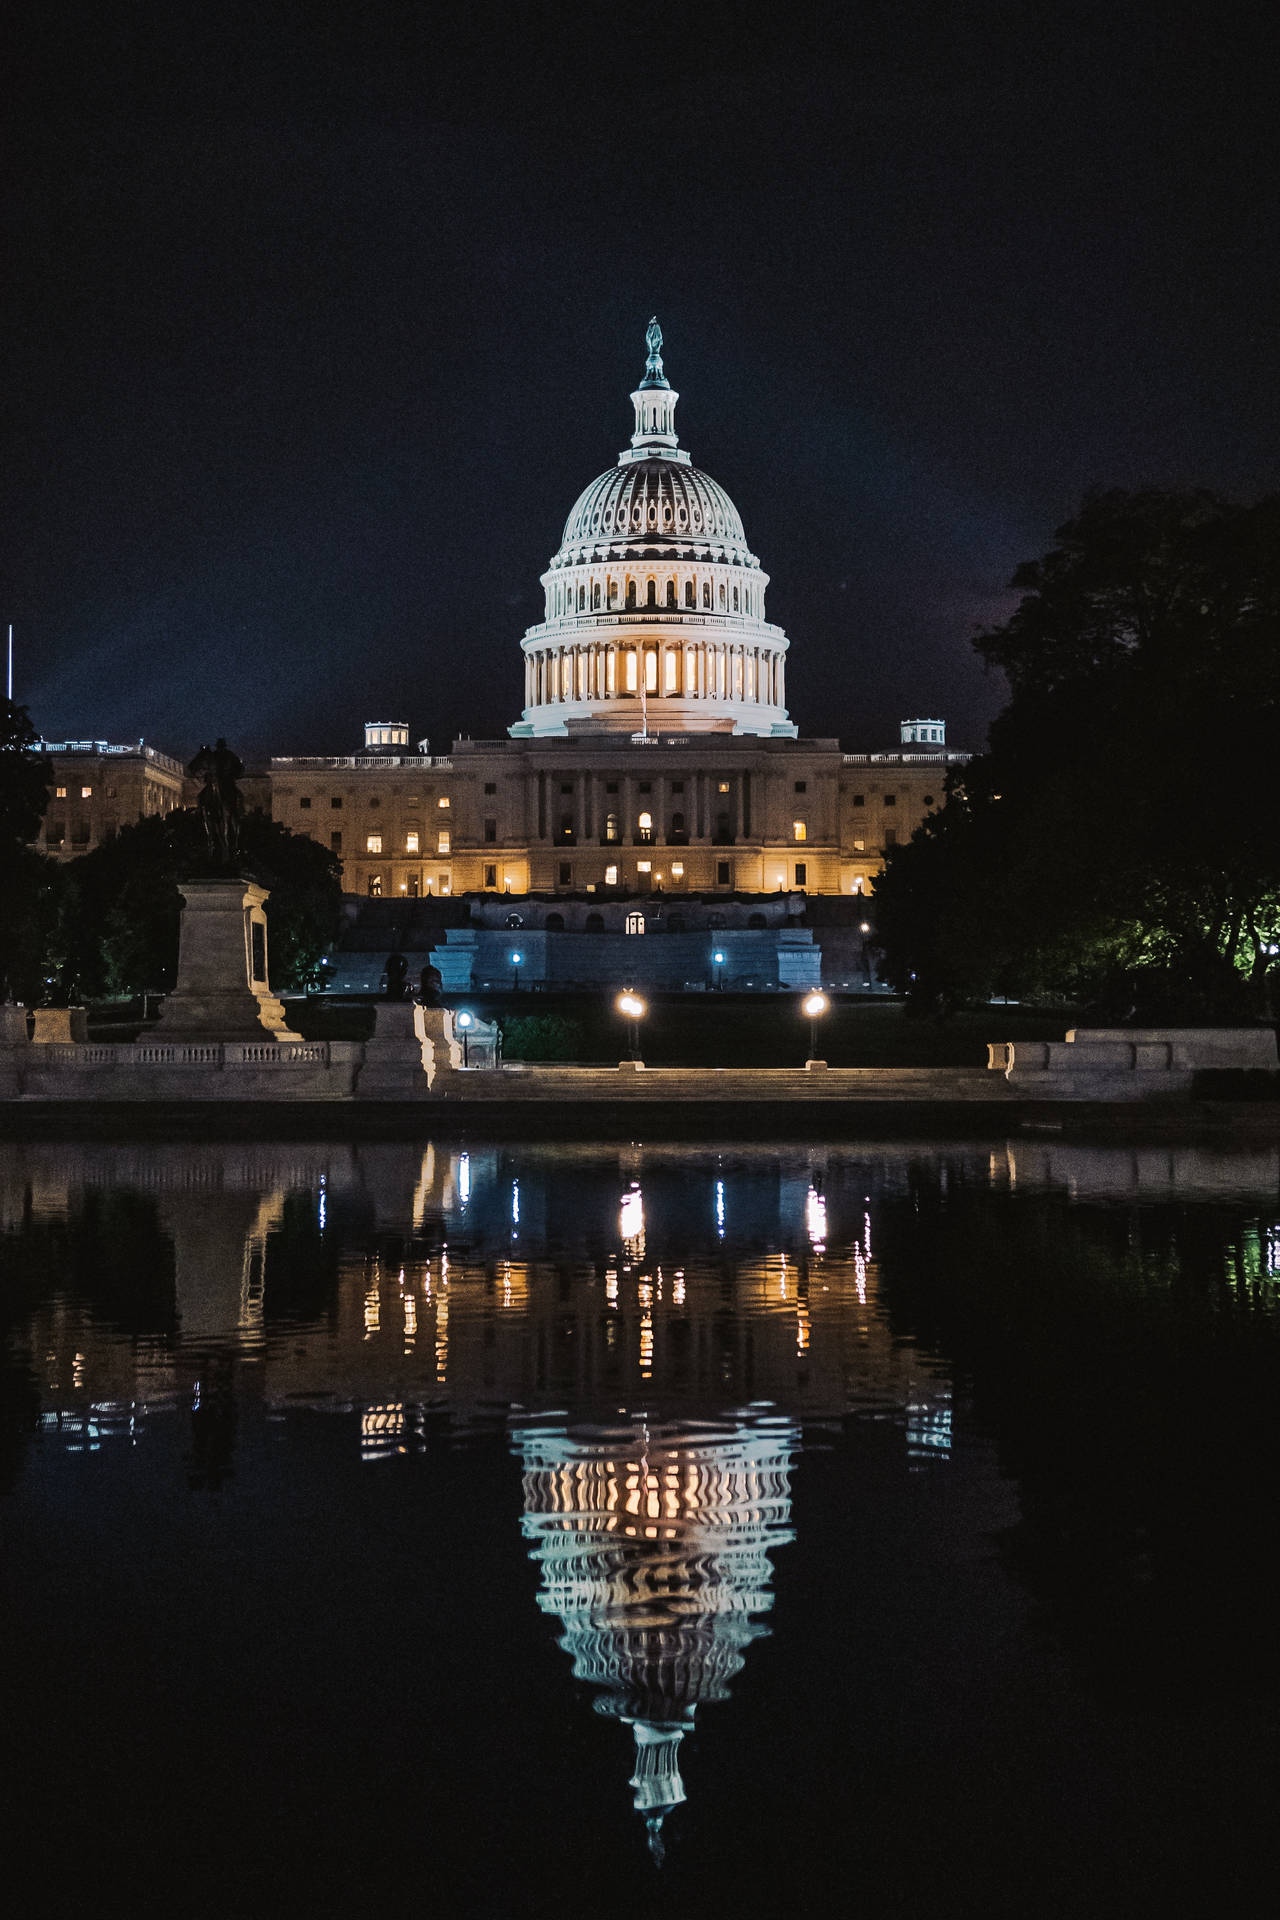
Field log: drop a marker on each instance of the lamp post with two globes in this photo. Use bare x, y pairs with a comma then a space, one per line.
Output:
634, 1009
813, 1006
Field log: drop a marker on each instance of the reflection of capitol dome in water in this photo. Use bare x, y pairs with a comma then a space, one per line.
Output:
654, 1547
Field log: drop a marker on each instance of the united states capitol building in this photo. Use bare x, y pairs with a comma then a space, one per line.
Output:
654, 754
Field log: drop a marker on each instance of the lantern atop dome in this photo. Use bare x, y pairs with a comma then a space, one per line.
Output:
655, 403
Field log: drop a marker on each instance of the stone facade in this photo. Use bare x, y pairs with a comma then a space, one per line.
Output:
97, 787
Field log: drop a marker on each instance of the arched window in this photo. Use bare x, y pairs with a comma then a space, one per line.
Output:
690, 594
514, 920
611, 826
555, 923
671, 593
651, 670
595, 923
735, 599
595, 594
651, 594
375, 886
611, 592
631, 593
645, 827
706, 593
635, 923
582, 599
722, 593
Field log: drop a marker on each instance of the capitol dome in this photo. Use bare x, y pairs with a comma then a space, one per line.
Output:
654, 618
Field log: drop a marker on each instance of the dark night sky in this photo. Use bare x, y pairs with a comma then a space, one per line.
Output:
317, 323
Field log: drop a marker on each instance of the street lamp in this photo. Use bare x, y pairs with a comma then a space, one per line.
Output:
465, 1022
634, 1009
814, 1005
717, 961
517, 961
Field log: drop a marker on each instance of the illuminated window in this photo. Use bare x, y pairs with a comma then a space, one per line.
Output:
635, 923
59, 793
443, 801
723, 787
86, 793
611, 876
631, 670
799, 831
646, 827
375, 886
651, 671
373, 843
611, 826
411, 843
677, 870
442, 840
669, 672
644, 866
859, 846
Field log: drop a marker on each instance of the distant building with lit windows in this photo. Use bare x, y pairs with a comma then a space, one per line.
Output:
96, 788
654, 752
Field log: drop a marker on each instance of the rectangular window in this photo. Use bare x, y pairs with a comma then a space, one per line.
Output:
335, 842
59, 793
305, 801
336, 801
802, 873
891, 799
646, 786
677, 786
644, 866
611, 786
442, 840
375, 886
491, 830
677, 869
375, 802
859, 799
566, 786
891, 836
799, 831
491, 876
723, 787
722, 873
55, 833
80, 834
859, 846
86, 793
491, 786
443, 801
611, 876
566, 873
802, 786
373, 843
411, 843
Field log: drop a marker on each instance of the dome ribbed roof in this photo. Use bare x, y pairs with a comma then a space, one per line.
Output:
657, 498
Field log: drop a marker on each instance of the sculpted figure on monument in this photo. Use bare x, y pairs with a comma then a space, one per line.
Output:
221, 804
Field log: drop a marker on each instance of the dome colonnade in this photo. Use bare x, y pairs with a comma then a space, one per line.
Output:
654, 602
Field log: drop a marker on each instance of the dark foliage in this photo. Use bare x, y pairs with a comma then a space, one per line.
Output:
1120, 839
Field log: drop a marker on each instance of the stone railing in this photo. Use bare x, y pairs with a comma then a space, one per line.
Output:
335, 762
944, 756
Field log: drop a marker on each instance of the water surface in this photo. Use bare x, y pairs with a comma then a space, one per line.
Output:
602, 1530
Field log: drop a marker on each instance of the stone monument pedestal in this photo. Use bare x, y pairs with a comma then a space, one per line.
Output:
409, 1051
222, 991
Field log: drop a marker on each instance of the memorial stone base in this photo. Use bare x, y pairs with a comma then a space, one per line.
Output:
222, 992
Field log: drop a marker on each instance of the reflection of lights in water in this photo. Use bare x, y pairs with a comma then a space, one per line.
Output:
464, 1178
515, 1203
654, 1548
372, 1308
815, 1214
381, 1428
321, 1208
677, 1290
611, 1286
928, 1427
631, 1220
866, 1234
410, 1321
802, 1328
860, 1275
720, 1208
646, 1346
442, 1336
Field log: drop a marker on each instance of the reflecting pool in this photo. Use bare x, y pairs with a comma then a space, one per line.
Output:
599, 1529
